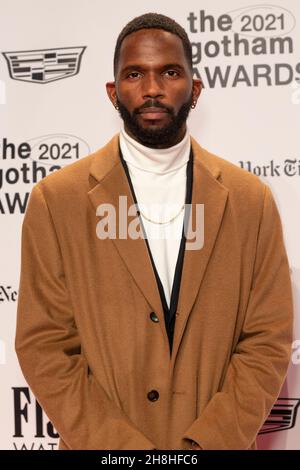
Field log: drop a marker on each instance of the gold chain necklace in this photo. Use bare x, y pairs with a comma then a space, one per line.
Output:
139, 212
161, 223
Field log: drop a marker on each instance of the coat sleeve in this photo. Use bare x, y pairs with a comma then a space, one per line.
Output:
259, 363
49, 350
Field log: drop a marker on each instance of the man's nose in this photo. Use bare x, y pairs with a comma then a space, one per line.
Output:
152, 86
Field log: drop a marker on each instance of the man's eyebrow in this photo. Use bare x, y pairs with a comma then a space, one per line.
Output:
140, 67
174, 65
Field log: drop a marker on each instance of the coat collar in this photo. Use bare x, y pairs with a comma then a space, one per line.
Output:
107, 157
108, 181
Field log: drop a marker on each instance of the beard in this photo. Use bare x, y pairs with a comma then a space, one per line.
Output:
157, 137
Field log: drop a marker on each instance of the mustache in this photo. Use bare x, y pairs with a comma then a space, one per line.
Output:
153, 104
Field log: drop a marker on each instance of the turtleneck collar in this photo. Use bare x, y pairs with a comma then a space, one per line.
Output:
155, 160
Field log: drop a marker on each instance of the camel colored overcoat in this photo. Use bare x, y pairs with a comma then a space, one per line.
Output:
96, 356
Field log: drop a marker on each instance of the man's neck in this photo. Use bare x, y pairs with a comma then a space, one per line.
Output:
160, 161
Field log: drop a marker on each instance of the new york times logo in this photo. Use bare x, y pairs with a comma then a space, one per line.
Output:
248, 43
289, 167
7, 294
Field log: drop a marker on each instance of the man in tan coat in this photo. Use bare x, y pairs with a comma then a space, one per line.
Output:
113, 361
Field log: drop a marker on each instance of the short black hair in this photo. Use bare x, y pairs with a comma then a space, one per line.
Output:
153, 21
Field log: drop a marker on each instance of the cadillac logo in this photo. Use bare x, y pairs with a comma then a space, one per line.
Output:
44, 65
282, 416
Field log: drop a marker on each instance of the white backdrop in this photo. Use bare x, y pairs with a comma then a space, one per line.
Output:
55, 58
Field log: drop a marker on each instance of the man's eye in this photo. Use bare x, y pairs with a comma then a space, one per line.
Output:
173, 73
133, 74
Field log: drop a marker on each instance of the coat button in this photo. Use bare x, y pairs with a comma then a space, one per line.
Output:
153, 395
154, 317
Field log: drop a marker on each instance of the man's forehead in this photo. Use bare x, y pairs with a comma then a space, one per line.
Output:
151, 38
153, 41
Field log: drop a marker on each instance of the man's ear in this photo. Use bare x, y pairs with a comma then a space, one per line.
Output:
111, 92
197, 88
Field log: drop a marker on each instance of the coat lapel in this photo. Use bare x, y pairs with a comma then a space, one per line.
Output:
108, 181
207, 190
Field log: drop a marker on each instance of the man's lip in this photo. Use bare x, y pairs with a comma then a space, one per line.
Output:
153, 110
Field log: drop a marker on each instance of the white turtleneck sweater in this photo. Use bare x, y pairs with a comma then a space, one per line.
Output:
159, 180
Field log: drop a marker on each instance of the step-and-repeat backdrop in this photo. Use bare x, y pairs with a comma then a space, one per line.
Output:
55, 58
